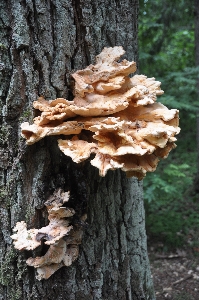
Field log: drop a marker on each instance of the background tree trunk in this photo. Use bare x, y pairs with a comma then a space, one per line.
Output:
41, 43
197, 65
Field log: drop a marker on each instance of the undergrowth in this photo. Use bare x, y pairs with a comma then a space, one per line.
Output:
171, 208
167, 51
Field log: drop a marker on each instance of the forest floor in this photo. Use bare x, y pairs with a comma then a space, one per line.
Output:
175, 274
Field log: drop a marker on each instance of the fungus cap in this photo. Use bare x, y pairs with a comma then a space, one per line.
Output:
113, 116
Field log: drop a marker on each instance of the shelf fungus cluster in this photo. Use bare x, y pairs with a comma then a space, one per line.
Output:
63, 240
113, 116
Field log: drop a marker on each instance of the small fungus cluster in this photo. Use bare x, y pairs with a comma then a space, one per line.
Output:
113, 116
63, 240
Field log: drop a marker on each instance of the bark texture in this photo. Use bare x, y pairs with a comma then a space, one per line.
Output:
42, 42
196, 12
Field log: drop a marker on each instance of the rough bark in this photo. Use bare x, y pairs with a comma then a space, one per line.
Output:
41, 43
196, 12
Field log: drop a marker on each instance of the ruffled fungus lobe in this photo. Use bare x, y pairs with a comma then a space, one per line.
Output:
58, 234
123, 125
55, 110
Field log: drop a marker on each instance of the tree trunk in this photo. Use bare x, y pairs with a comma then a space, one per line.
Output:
197, 65
41, 43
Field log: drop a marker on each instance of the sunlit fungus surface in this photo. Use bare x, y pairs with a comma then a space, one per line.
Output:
124, 127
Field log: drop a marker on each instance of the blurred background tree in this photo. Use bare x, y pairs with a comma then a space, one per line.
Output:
167, 47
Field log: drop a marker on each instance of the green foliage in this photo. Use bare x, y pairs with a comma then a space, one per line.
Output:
166, 217
166, 37
164, 187
180, 90
166, 49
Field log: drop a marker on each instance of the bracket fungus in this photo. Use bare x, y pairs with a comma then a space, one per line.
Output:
63, 240
112, 116
124, 126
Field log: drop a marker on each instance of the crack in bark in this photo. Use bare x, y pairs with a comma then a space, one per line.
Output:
80, 33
